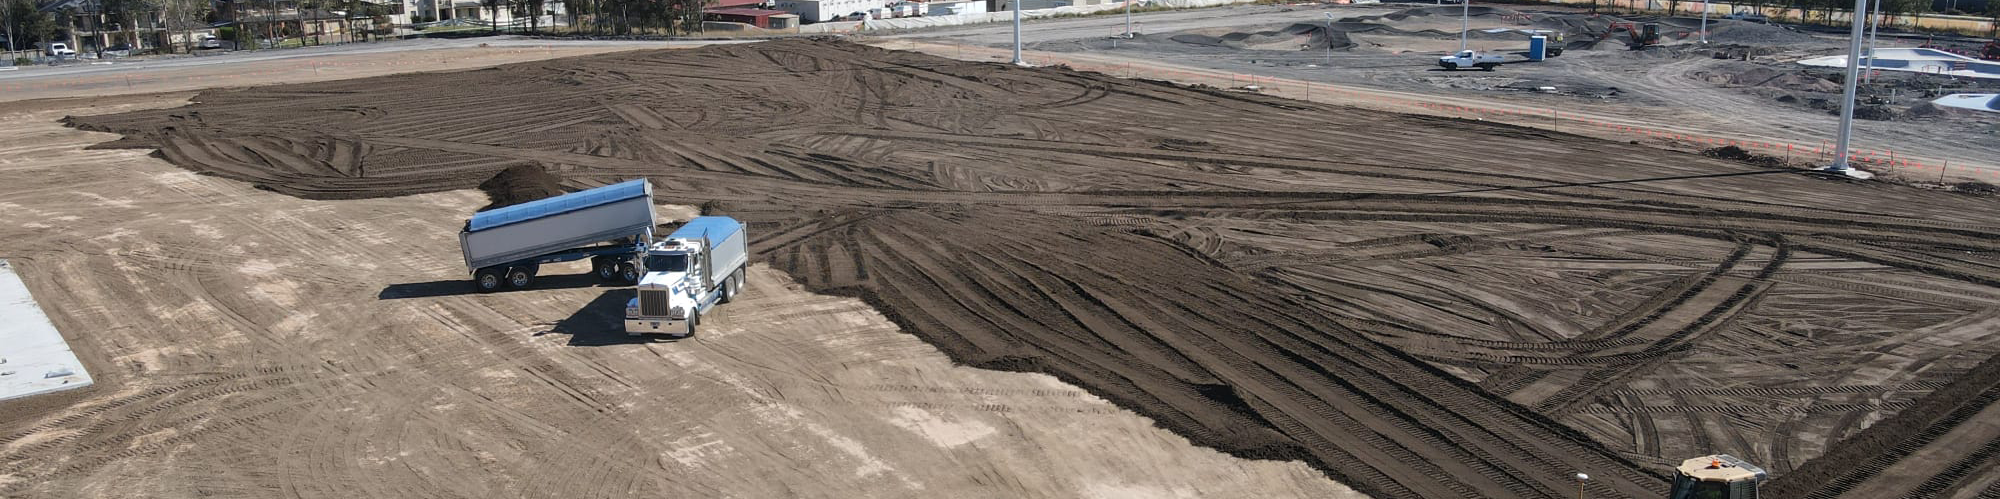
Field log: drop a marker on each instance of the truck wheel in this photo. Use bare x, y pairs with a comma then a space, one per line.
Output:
628, 272
693, 319
1486, 67
604, 268
728, 290
740, 280
519, 277
486, 280
1451, 66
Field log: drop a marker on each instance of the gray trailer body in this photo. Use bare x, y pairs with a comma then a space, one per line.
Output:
551, 227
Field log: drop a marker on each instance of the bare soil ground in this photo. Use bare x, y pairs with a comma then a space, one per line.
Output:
1743, 84
1414, 321
251, 344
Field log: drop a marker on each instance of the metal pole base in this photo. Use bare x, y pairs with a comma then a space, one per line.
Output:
1850, 172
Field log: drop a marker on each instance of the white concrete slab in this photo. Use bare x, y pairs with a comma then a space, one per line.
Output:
1918, 61
1977, 102
34, 359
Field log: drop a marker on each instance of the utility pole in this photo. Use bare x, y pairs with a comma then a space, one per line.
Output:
1017, 34
1128, 18
1464, 24
1704, 21
1847, 101
1874, 23
1329, 40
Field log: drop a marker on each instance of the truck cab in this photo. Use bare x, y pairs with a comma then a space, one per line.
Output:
1470, 59
686, 275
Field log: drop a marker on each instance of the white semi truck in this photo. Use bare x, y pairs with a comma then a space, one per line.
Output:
698, 266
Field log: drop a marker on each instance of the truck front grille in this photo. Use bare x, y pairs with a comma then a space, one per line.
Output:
653, 302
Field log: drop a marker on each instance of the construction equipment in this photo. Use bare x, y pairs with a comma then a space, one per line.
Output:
609, 225
698, 266
1639, 35
1719, 476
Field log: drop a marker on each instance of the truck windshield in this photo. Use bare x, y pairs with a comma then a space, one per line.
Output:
667, 263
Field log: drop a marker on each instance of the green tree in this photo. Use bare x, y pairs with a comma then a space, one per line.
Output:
26, 25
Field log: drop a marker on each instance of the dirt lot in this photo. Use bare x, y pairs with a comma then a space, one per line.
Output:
252, 344
1415, 322
1743, 85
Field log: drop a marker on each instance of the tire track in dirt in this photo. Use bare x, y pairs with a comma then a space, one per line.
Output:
1017, 220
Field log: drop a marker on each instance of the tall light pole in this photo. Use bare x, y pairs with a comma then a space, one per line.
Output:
1580, 478
1464, 24
1128, 18
1704, 21
1017, 34
1847, 101
1873, 24
1329, 40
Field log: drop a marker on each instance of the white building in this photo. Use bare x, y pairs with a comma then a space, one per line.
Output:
954, 7
819, 11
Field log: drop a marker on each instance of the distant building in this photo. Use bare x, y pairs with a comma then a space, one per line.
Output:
953, 7
819, 11
762, 18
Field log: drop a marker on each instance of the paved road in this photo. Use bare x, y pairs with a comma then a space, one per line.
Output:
394, 46
1150, 22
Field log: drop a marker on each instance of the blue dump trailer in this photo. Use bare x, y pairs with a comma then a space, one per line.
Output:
611, 225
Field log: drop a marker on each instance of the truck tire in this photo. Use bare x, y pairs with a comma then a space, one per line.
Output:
728, 290
1487, 67
520, 277
628, 272
1451, 66
605, 268
486, 280
740, 281
694, 319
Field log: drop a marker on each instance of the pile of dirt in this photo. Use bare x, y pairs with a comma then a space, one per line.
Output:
1929, 110
518, 184
1875, 112
1757, 75
1734, 153
1754, 34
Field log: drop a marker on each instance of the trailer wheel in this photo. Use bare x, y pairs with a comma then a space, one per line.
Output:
738, 276
486, 280
628, 272
605, 268
728, 289
519, 277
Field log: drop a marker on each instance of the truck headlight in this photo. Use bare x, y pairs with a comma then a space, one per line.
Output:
679, 312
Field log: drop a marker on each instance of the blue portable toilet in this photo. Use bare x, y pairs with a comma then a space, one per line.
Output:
1538, 47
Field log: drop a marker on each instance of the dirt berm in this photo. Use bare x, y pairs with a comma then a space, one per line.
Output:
1272, 278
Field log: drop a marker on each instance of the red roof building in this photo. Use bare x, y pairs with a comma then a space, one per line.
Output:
762, 18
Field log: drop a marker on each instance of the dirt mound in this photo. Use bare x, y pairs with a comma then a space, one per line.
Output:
520, 184
1757, 75
1756, 34
1301, 36
1876, 112
1931, 110
1734, 153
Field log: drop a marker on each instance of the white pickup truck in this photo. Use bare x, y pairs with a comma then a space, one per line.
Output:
1470, 59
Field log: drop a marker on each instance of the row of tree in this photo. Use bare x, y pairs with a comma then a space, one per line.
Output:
615, 17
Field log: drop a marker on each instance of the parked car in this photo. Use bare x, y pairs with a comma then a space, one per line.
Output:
119, 50
60, 50
210, 42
